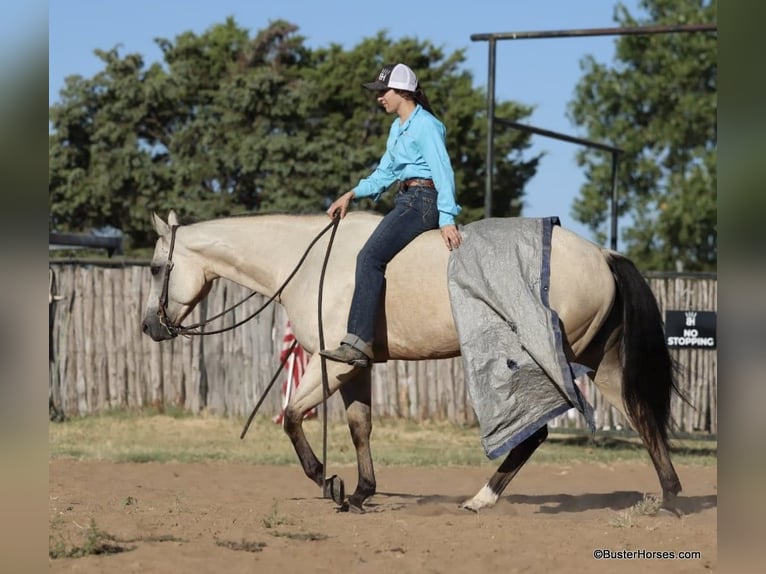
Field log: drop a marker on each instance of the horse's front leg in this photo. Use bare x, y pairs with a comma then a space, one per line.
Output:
357, 398
490, 492
307, 396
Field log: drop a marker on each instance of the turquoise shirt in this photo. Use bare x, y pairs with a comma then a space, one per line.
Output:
416, 149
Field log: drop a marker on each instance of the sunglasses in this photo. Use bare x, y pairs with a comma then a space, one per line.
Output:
381, 93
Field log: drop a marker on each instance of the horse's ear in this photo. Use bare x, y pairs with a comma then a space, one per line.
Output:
160, 226
172, 219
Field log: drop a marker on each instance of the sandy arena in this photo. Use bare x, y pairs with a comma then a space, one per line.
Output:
224, 517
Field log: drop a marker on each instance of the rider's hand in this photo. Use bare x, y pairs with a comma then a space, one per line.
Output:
340, 205
451, 236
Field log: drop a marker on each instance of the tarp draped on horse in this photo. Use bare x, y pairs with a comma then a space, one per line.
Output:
608, 316
516, 367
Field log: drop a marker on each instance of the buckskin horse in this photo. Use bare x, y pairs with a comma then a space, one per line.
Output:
610, 318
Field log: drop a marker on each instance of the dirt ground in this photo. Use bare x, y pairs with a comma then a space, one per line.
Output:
223, 517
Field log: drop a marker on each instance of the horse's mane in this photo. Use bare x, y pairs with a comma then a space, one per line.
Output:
267, 214
188, 221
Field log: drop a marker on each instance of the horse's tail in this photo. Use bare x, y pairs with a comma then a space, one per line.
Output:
648, 369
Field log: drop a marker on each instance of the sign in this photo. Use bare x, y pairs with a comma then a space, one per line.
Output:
690, 329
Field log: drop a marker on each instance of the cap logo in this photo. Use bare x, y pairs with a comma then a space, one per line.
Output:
394, 77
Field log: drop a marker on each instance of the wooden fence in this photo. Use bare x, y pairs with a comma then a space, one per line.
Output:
100, 360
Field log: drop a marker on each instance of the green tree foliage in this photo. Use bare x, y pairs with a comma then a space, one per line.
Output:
229, 124
658, 103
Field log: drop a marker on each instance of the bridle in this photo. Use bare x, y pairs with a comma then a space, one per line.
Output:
175, 329
162, 311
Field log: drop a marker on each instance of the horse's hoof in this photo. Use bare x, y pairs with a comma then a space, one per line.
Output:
355, 506
672, 511
334, 489
669, 507
468, 507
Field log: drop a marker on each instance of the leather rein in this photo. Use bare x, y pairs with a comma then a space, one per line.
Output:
195, 329
175, 329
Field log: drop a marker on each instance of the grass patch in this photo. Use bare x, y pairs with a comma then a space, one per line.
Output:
306, 536
151, 436
648, 506
241, 546
274, 519
160, 538
96, 542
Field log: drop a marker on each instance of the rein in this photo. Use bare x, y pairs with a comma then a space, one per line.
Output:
325, 384
193, 329
174, 329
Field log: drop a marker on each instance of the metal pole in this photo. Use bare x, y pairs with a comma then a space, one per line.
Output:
615, 158
615, 151
490, 129
558, 135
620, 31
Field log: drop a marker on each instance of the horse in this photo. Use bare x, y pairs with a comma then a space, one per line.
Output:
608, 313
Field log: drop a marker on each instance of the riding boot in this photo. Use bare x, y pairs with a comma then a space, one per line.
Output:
347, 354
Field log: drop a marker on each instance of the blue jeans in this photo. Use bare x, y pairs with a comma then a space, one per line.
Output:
414, 212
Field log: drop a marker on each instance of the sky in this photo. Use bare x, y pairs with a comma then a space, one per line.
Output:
538, 73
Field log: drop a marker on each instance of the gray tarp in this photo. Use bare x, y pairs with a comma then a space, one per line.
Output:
516, 371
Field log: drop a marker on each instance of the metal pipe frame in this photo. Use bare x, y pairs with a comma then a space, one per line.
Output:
492, 39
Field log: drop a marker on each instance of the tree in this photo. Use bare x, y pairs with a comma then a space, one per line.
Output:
231, 124
191, 135
658, 103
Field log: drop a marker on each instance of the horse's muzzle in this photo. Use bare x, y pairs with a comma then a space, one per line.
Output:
153, 327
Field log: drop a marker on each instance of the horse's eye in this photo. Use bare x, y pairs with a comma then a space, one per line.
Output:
155, 269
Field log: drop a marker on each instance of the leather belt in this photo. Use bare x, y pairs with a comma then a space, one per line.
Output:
415, 182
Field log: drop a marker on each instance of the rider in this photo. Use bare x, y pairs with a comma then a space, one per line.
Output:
416, 155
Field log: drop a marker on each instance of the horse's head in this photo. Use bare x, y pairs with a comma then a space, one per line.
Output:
178, 281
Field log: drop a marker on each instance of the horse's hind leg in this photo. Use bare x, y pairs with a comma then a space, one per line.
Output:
646, 370
671, 485
357, 398
519, 455
608, 379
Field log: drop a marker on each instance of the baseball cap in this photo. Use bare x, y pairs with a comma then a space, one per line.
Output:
396, 76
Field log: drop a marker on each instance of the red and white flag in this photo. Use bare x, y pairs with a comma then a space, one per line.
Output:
294, 369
